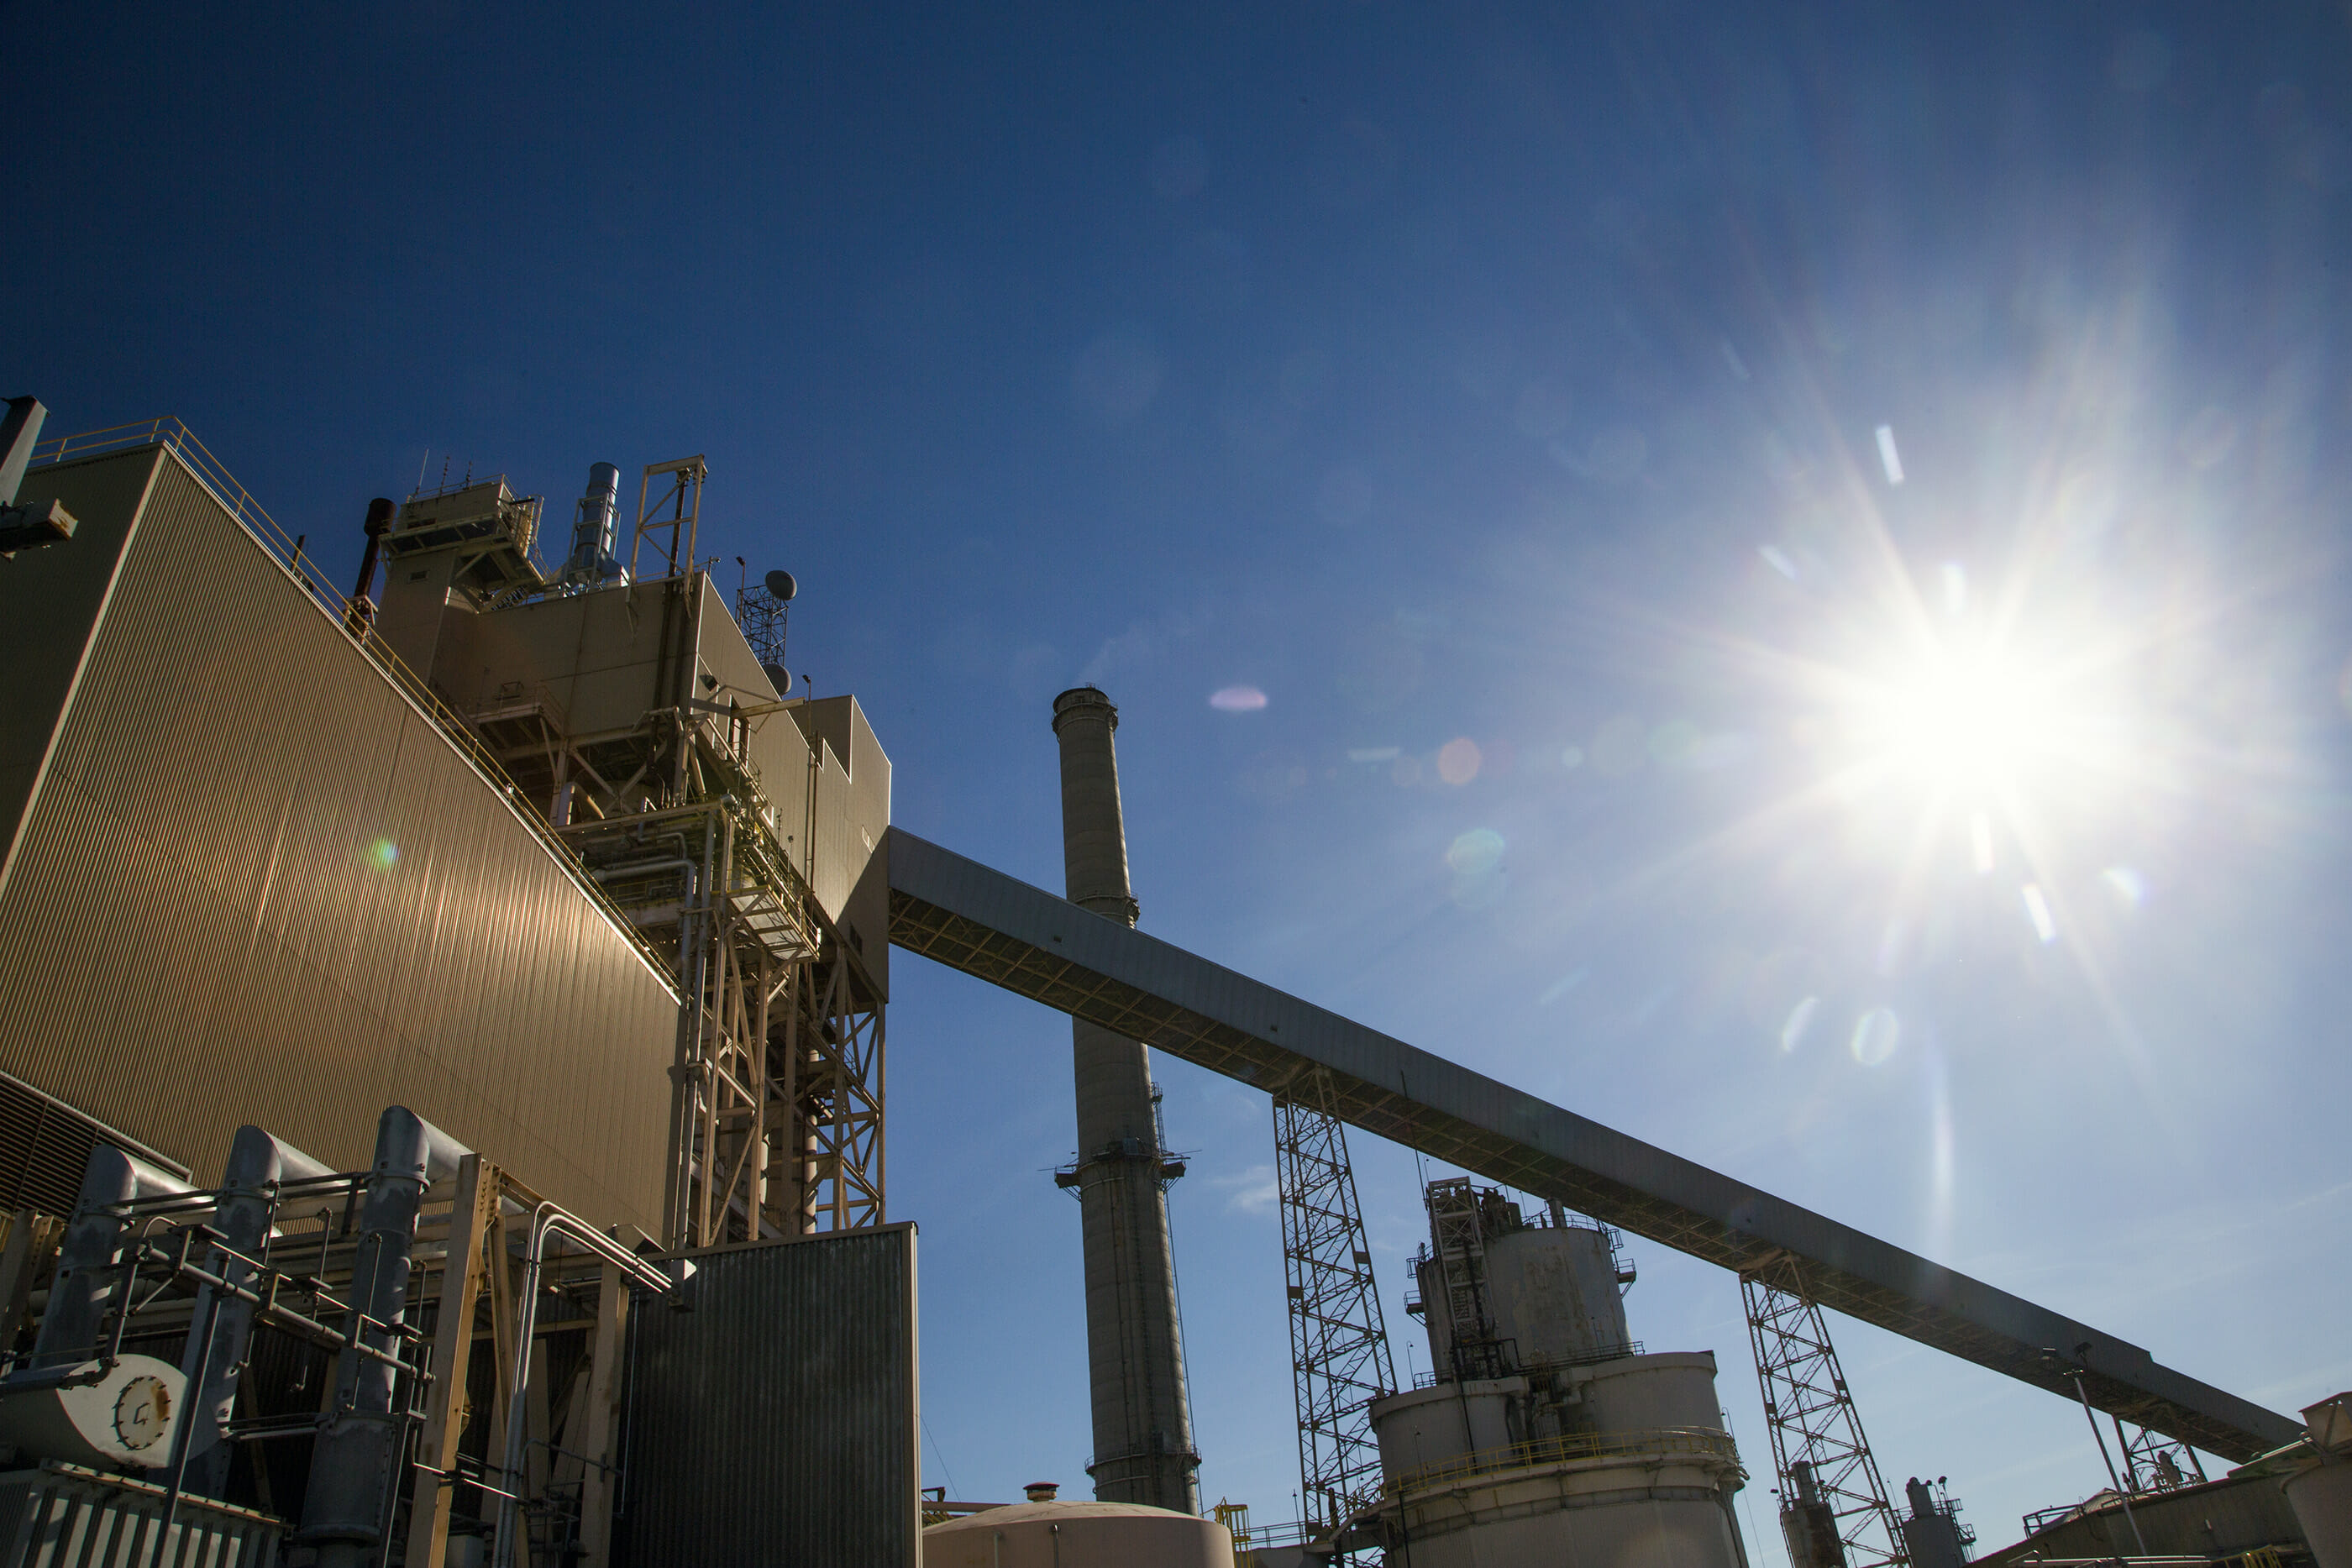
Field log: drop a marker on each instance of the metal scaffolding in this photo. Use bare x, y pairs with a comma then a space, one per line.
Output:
1834, 1505
777, 1075
1338, 1344
2153, 1462
1458, 1231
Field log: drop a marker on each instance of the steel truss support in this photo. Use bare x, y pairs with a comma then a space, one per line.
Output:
1834, 1505
778, 1082
682, 494
838, 1109
2153, 1462
1338, 1344
777, 1071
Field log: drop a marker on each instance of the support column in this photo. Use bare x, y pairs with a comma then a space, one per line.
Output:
1143, 1415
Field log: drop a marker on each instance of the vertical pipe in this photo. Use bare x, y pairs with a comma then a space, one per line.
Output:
355, 1466
2122, 1493
216, 1354
363, 610
87, 1287
1142, 1419
85, 1284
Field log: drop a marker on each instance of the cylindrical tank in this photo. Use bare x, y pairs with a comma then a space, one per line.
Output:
1424, 1427
1078, 1535
1142, 1417
1672, 1390
1554, 1291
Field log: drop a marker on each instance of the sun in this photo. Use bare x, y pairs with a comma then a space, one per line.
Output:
1973, 720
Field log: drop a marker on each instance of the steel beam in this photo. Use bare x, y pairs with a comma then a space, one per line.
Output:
969, 917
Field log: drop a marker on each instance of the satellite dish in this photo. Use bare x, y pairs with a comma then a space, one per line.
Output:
780, 587
779, 677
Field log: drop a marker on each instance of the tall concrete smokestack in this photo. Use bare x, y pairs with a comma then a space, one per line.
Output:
1143, 1420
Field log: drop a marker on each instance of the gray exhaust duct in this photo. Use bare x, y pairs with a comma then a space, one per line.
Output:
257, 1164
1142, 1415
83, 1290
353, 1467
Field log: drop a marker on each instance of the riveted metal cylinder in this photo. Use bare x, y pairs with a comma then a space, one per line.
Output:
1135, 1356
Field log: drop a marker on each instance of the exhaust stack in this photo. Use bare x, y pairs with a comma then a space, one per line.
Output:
1143, 1414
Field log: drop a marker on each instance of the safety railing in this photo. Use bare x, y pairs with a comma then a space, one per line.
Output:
1593, 1357
1692, 1442
346, 614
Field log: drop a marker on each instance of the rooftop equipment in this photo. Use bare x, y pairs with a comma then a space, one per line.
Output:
764, 613
1933, 1534
592, 563
379, 513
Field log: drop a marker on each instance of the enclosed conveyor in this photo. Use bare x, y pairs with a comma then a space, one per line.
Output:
1004, 930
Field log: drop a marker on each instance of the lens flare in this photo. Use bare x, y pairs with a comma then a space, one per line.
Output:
2037, 910
1801, 1018
1875, 1035
1237, 699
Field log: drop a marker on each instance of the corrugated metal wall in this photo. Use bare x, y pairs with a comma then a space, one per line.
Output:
2219, 1519
773, 1421
257, 885
53, 595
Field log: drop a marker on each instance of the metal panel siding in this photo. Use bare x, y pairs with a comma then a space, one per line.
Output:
205, 936
774, 1422
52, 598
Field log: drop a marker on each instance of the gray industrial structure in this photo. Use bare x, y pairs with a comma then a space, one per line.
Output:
551, 861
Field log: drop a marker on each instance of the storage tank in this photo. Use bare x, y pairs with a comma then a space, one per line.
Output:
1544, 1437
1078, 1535
1555, 1291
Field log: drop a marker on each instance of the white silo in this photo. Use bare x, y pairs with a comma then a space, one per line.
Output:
1544, 1435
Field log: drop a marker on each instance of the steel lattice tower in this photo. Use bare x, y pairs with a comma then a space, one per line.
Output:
1833, 1507
1338, 1344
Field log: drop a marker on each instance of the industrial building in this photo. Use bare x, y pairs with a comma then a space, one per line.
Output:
445, 1120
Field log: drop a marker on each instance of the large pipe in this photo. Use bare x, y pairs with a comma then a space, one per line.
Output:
87, 1277
1135, 1355
355, 1466
257, 1164
378, 523
547, 1220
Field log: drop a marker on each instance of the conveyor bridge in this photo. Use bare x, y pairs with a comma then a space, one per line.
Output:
986, 924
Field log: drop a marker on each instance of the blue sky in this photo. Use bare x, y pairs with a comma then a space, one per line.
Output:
1497, 390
